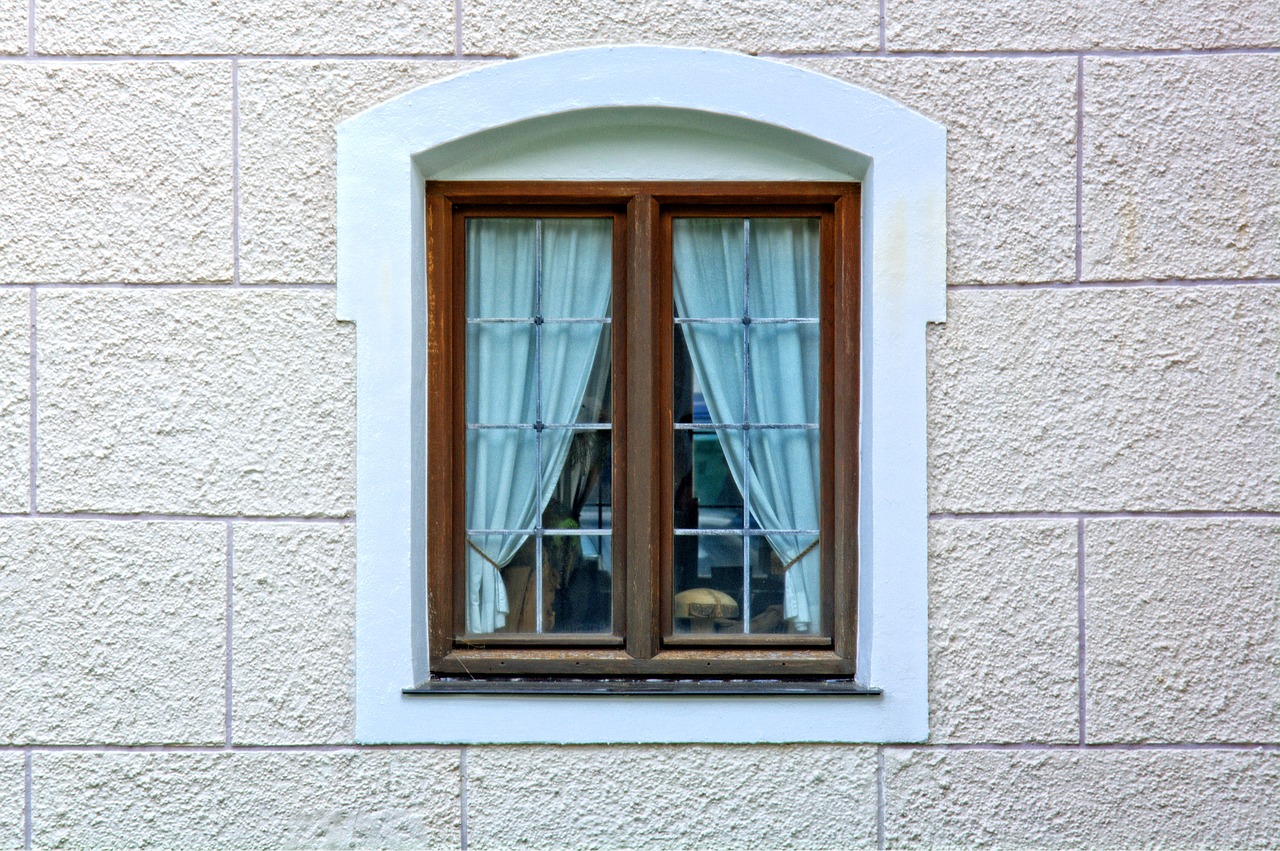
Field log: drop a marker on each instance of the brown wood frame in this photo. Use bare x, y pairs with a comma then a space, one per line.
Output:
642, 433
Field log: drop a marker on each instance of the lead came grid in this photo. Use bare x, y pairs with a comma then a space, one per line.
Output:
746, 425
539, 531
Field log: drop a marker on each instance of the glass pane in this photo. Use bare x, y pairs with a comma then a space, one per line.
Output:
768, 589
597, 401
784, 375
523, 595
583, 495
581, 588
705, 483
501, 367
576, 359
577, 268
502, 485
707, 259
709, 368
501, 268
488, 598
708, 584
785, 469
785, 490
783, 268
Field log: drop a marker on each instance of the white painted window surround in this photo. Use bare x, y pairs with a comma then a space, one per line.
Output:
638, 113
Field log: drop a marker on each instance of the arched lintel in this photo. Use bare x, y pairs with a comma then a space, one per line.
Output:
899, 154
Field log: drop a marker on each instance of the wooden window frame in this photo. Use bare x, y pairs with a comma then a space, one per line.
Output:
642, 439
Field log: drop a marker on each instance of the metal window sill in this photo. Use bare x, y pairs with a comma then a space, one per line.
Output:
643, 688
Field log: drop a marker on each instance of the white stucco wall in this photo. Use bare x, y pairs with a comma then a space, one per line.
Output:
177, 421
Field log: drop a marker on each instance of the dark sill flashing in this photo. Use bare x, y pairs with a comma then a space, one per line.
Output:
642, 688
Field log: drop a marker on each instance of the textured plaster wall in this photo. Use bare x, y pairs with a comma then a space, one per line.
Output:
177, 418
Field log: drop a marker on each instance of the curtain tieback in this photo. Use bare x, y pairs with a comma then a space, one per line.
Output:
497, 566
802, 554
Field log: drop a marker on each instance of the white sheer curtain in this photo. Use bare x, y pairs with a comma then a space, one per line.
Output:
505, 488
709, 276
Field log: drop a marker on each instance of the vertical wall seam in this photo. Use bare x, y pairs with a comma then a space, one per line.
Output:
26, 799
880, 798
1079, 168
462, 799
31, 27
230, 613
457, 27
883, 14
1080, 627
33, 457
235, 171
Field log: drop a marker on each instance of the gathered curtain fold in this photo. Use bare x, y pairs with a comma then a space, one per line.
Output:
719, 273
522, 269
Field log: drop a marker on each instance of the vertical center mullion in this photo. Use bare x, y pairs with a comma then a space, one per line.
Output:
746, 426
537, 423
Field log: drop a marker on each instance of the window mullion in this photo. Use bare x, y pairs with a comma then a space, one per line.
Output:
644, 395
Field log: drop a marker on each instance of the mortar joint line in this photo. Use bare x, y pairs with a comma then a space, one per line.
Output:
26, 799
235, 171
880, 798
1079, 168
33, 457
230, 614
1080, 631
462, 799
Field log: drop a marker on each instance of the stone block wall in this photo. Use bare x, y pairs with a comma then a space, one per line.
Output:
177, 417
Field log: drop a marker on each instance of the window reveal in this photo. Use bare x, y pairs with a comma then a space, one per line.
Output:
645, 444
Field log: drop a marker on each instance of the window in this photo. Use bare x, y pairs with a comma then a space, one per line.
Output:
643, 432
593, 116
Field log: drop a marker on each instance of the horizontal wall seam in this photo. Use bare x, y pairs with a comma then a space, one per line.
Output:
890, 53
222, 749
1107, 515
175, 285
1089, 746
1059, 53
41, 58
37, 749
209, 518
1134, 284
